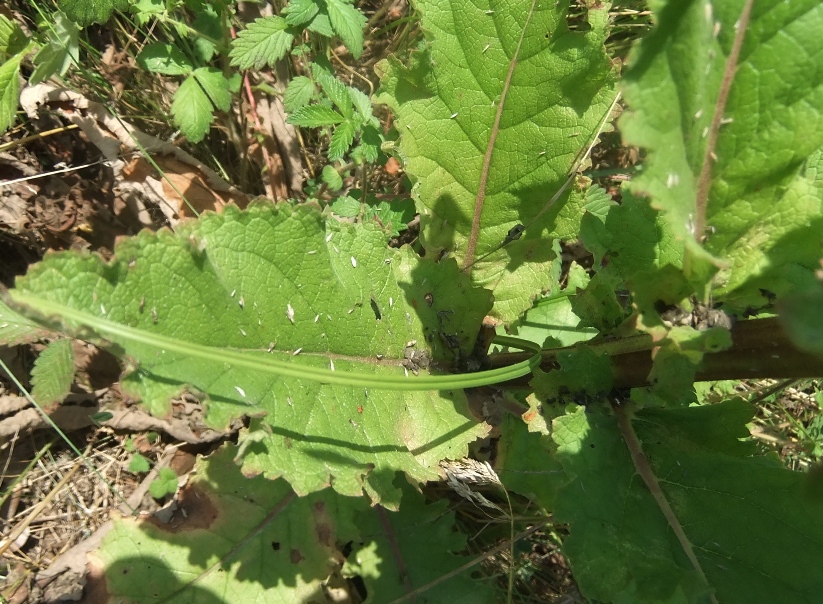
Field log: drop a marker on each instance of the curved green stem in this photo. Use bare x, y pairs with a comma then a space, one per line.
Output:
119, 333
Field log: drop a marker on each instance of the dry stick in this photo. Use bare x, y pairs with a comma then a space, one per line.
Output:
705, 180
281, 505
18, 530
468, 565
487, 160
398, 555
644, 469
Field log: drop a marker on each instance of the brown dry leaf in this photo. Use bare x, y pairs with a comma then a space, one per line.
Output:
119, 141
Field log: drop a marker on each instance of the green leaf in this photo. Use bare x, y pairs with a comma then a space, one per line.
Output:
299, 93
802, 317
243, 525
584, 375
139, 464
12, 39
192, 110
332, 178
299, 12
164, 58
282, 279
620, 545
348, 23
61, 52
17, 329
361, 102
341, 140
209, 23
216, 86
146, 10
263, 42
446, 104
53, 374
315, 116
86, 12
321, 24
9, 91
411, 535
164, 484
338, 92
746, 193
392, 216
526, 463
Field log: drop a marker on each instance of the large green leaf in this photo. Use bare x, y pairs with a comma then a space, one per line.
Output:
496, 112
755, 529
286, 282
729, 168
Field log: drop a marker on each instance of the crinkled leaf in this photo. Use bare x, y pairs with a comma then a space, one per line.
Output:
446, 104
348, 23
244, 526
263, 42
61, 52
597, 304
86, 12
164, 58
315, 116
139, 464
299, 93
299, 12
424, 547
762, 216
9, 91
53, 373
192, 110
620, 545
12, 38
282, 279
341, 140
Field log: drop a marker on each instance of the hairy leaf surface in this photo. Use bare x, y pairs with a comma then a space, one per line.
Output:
278, 283
732, 171
461, 150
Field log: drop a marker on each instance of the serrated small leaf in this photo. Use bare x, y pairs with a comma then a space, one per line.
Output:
12, 38
299, 12
321, 24
361, 102
348, 23
393, 216
216, 86
86, 12
335, 181
139, 464
146, 10
337, 92
53, 373
341, 140
346, 207
299, 93
192, 110
164, 58
9, 91
61, 52
263, 42
164, 484
315, 116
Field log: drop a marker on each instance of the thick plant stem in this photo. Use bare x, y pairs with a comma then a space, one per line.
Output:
644, 469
